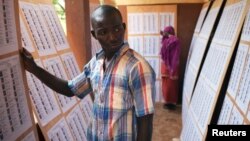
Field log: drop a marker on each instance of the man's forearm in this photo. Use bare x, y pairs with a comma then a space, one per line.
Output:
145, 128
55, 83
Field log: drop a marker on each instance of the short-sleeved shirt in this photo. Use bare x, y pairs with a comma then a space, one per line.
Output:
124, 91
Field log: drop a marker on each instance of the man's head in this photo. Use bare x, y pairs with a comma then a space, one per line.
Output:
108, 28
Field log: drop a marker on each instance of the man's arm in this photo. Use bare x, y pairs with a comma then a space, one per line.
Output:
55, 83
144, 127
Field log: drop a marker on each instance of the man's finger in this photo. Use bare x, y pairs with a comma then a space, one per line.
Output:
25, 51
27, 54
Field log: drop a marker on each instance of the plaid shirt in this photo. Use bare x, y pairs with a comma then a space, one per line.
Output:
124, 91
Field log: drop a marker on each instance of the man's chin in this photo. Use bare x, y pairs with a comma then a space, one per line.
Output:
116, 46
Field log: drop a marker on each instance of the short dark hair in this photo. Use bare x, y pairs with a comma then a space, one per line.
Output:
107, 9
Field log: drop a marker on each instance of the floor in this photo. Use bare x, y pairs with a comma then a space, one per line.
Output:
167, 123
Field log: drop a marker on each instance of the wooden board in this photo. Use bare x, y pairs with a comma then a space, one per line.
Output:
236, 101
16, 114
212, 75
54, 112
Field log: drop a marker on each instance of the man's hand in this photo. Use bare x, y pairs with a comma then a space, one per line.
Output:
145, 127
29, 63
55, 83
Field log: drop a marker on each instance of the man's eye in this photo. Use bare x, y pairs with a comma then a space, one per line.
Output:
102, 32
117, 29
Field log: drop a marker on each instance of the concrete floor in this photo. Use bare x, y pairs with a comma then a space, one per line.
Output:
167, 123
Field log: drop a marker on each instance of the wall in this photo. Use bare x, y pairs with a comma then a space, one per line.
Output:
187, 16
139, 2
39, 1
78, 29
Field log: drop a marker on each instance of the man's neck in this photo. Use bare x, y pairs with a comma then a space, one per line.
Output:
108, 56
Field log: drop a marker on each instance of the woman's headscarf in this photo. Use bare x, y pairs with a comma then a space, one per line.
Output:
169, 29
170, 49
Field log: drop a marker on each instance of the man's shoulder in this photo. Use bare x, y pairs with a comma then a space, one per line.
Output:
132, 54
136, 58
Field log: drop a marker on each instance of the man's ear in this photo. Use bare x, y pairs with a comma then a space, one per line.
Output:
124, 26
93, 33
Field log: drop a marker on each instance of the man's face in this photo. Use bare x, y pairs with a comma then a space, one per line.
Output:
109, 30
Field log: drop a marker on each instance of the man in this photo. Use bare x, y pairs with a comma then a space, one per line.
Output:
170, 54
122, 81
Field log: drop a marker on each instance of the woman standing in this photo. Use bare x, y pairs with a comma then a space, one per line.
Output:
170, 55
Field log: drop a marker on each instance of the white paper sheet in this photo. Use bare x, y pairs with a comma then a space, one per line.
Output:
209, 23
54, 26
229, 22
135, 23
166, 19
225, 111
77, 124
243, 95
8, 37
43, 99
235, 118
190, 131
155, 64
60, 132
30, 137
190, 52
215, 64
237, 71
200, 20
189, 83
86, 106
198, 53
26, 39
15, 116
151, 46
38, 28
202, 103
70, 64
184, 110
55, 66
150, 23
136, 43
246, 29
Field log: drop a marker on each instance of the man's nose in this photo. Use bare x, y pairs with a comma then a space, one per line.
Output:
111, 35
